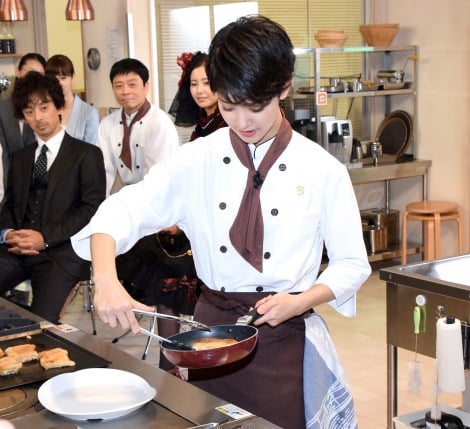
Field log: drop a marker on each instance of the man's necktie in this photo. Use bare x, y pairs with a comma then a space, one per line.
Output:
40, 166
126, 156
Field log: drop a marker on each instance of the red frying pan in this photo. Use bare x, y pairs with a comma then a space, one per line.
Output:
246, 337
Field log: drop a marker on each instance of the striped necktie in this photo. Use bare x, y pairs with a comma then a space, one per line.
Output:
40, 166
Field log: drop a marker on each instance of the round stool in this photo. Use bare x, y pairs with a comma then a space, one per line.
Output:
431, 213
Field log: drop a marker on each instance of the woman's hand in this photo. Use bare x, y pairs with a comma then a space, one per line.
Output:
112, 302
278, 308
114, 305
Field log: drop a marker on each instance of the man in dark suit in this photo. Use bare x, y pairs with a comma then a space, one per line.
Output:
15, 133
54, 187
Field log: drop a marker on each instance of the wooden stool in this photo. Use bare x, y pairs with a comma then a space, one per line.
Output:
431, 213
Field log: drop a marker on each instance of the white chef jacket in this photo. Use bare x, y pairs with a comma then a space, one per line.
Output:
307, 199
153, 139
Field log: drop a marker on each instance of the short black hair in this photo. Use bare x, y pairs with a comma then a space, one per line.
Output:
31, 56
128, 65
35, 84
250, 60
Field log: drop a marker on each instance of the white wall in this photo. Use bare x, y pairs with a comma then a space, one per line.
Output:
442, 32
107, 33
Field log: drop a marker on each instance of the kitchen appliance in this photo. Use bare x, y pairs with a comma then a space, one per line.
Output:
357, 153
301, 121
394, 76
388, 218
375, 238
337, 137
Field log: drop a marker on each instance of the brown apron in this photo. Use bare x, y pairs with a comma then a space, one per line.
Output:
268, 382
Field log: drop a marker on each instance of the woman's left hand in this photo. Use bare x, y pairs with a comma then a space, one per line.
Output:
275, 309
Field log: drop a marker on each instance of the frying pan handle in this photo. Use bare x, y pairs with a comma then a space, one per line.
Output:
249, 317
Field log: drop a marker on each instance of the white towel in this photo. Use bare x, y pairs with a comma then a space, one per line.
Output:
327, 398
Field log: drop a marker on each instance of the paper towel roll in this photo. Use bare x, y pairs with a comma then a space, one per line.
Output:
449, 354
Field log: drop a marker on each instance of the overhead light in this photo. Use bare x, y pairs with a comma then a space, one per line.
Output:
13, 10
79, 10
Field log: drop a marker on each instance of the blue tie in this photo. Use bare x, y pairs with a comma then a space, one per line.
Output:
40, 166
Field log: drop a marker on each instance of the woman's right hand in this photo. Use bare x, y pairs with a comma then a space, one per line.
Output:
114, 305
112, 302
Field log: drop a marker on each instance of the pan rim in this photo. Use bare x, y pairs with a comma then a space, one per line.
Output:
178, 337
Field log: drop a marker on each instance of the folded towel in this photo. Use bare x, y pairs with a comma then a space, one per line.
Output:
327, 398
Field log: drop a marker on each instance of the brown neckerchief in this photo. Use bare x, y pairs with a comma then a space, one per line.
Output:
126, 148
247, 231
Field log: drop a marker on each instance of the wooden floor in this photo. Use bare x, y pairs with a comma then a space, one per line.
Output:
360, 342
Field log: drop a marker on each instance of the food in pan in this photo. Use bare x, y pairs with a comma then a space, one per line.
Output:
212, 343
23, 352
55, 358
9, 365
2, 353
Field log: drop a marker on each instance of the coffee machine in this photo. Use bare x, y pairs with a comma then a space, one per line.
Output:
337, 138
301, 121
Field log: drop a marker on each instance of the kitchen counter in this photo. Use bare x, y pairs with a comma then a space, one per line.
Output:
445, 285
177, 404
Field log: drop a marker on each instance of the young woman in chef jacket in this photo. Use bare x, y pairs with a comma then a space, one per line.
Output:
258, 201
168, 277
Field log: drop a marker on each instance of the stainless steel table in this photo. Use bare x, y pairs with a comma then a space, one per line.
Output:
177, 404
445, 284
386, 172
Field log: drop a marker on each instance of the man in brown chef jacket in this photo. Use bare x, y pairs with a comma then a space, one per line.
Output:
54, 187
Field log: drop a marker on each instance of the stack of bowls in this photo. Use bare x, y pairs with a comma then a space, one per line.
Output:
378, 34
330, 38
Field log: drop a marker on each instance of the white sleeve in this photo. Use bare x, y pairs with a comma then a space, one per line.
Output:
164, 140
140, 209
103, 143
348, 266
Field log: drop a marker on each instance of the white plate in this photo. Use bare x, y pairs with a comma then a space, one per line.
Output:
96, 393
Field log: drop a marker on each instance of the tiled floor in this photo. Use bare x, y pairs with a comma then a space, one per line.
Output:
361, 345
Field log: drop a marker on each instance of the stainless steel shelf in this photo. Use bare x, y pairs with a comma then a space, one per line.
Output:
394, 252
390, 253
389, 171
354, 49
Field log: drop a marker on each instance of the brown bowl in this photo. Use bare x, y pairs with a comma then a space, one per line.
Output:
378, 34
328, 31
330, 40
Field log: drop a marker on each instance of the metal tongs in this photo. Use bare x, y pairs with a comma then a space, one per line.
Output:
182, 320
177, 344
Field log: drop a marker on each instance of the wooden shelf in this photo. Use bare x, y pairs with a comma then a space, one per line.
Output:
10, 55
